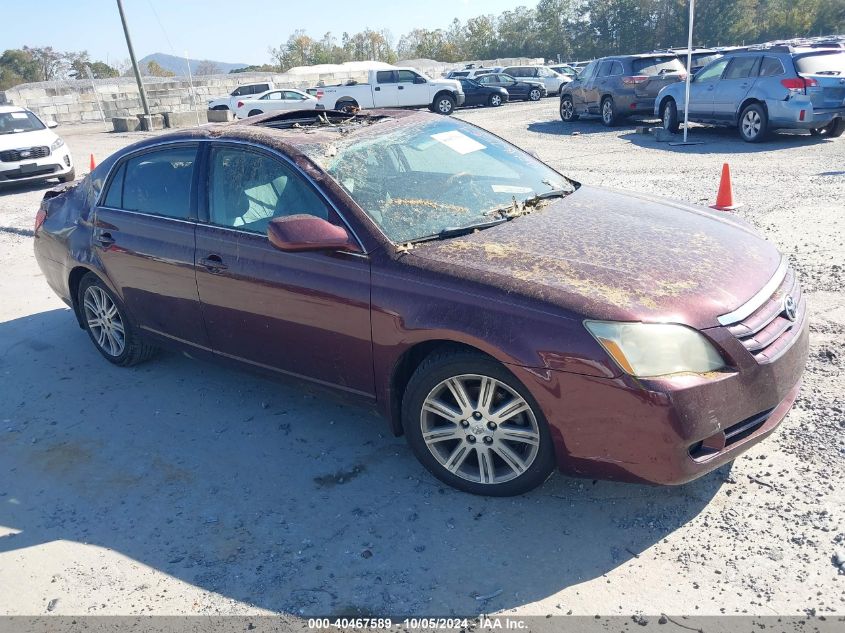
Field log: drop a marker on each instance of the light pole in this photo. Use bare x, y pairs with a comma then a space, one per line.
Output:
133, 60
688, 79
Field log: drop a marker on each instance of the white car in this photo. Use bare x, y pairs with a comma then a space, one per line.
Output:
244, 91
275, 101
551, 79
30, 150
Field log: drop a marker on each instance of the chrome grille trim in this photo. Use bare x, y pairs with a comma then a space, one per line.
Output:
758, 299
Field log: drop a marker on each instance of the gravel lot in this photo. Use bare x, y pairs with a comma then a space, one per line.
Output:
180, 487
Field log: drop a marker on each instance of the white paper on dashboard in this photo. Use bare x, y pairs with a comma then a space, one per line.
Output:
458, 142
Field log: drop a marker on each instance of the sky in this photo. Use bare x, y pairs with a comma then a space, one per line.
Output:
238, 31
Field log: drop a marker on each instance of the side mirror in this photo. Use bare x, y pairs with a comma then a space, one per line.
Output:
305, 232
419, 80
52, 124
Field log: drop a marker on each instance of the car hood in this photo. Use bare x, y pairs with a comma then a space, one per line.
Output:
614, 255
27, 139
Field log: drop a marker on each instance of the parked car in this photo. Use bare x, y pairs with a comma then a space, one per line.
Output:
762, 90
620, 86
275, 101
245, 91
391, 88
700, 56
565, 69
30, 150
527, 89
477, 94
469, 73
550, 79
437, 272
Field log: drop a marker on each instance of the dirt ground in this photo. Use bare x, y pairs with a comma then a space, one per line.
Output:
180, 487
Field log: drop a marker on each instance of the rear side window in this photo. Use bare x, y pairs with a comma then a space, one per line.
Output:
385, 77
771, 67
741, 67
657, 65
248, 189
821, 64
157, 182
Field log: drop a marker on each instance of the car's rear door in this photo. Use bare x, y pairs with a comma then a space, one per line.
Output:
144, 232
386, 89
305, 314
736, 82
584, 95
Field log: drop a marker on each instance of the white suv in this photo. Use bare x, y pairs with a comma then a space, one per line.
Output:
30, 150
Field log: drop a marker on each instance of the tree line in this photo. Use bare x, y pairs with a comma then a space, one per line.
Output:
569, 29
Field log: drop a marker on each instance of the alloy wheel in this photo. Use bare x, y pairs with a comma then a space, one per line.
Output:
751, 124
104, 321
445, 106
534, 95
607, 112
495, 100
566, 110
480, 429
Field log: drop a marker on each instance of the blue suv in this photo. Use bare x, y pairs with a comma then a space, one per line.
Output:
762, 90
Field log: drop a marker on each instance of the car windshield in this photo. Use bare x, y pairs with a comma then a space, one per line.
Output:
12, 122
821, 64
657, 65
435, 178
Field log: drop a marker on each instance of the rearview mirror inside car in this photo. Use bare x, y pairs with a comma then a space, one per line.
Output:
305, 232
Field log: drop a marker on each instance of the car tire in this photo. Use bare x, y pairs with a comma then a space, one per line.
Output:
608, 112
567, 109
68, 177
444, 104
534, 94
753, 123
834, 129
477, 456
107, 323
346, 106
494, 101
669, 116
255, 112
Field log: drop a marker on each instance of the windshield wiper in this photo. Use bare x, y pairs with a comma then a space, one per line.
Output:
516, 209
455, 231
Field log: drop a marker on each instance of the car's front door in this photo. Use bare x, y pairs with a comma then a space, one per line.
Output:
585, 82
701, 91
386, 90
306, 313
412, 89
736, 81
144, 231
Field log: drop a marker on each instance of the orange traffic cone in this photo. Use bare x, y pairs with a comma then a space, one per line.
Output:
91, 164
725, 197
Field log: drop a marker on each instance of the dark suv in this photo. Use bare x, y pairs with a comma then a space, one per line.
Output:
615, 87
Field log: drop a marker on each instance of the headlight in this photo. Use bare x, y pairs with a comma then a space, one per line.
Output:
655, 349
57, 144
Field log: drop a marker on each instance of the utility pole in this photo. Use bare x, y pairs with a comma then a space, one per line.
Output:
132, 58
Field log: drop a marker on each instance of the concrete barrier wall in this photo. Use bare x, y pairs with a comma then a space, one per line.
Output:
76, 101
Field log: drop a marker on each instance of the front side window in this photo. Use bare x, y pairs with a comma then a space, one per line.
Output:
741, 67
247, 189
272, 96
157, 182
416, 181
589, 70
407, 76
712, 73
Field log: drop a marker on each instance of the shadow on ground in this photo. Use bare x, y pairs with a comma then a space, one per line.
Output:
277, 496
724, 140
10, 188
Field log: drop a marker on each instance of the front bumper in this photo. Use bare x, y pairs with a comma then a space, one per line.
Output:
55, 164
670, 430
800, 114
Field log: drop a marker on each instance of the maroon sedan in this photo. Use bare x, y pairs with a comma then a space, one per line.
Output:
503, 317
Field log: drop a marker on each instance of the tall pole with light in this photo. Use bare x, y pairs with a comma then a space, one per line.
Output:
688, 79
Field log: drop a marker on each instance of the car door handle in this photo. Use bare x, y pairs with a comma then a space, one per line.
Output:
401, 87
377, 88
213, 264
105, 239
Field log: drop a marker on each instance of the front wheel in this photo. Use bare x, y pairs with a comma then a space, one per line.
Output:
475, 427
608, 112
567, 109
534, 94
445, 104
494, 101
669, 114
753, 123
107, 324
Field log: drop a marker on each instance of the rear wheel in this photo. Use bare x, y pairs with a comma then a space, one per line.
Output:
567, 109
346, 106
475, 427
608, 112
494, 101
669, 114
255, 112
107, 324
834, 129
753, 123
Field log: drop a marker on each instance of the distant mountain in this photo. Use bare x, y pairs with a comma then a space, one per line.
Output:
178, 66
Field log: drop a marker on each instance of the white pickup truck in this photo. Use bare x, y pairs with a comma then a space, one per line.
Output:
392, 88
246, 90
